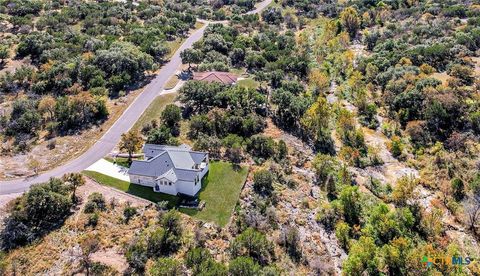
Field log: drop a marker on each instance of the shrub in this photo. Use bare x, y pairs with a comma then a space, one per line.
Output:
458, 189
290, 239
43, 208
243, 266
262, 182
129, 212
166, 266
92, 220
136, 254
95, 202
253, 244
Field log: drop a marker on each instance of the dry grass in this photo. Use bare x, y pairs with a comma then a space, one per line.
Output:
443, 77
172, 82
154, 110
70, 146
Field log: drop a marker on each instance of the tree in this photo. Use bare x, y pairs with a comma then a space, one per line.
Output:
47, 106
190, 56
75, 180
342, 232
326, 168
316, 122
95, 202
160, 135
89, 245
136, 254
251, 243
403, 190
166, 267
262, 182
272, 15
352, 206
171, 117
350, 20
131, 142
243, 266
43, 208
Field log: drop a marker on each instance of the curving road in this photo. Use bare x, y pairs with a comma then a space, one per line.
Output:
108, 141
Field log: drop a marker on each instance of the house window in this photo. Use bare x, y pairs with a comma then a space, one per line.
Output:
139, 181
157, 188
170, 183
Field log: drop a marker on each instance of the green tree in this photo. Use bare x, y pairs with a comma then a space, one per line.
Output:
171, 116
316, 124
75, 180
262, 182
166, 267
350, 21
342, 232
190, 56
251, 243
137, 254
243, 266
352, 205
131, 142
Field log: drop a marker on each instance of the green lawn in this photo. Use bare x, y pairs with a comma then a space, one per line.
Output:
248, 83
121, 161
220, 191
133, 189
154, 110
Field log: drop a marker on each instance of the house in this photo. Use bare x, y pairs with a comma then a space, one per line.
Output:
215, 76
170, 169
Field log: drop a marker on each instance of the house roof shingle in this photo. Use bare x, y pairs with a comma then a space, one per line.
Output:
168, 162
215, 76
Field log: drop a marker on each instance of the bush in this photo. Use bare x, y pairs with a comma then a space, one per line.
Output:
43, 208
136, 254
166, 266
290, 239
95, 202
243, 266
262, 182
254, 244
129, 212
342, 232
92, 220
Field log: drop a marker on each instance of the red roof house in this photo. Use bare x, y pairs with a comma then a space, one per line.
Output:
215, 76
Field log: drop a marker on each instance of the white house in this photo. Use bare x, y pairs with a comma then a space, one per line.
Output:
169, 169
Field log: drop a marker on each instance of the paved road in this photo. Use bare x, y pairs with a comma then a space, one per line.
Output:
108, 141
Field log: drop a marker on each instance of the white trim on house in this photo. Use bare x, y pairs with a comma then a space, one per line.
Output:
170, 170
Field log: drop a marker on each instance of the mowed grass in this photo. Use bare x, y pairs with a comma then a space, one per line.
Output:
220, 191
154, 110
133, 189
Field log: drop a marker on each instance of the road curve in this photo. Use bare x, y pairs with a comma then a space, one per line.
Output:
110, 139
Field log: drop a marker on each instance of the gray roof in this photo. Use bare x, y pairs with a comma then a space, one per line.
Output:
174, 162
